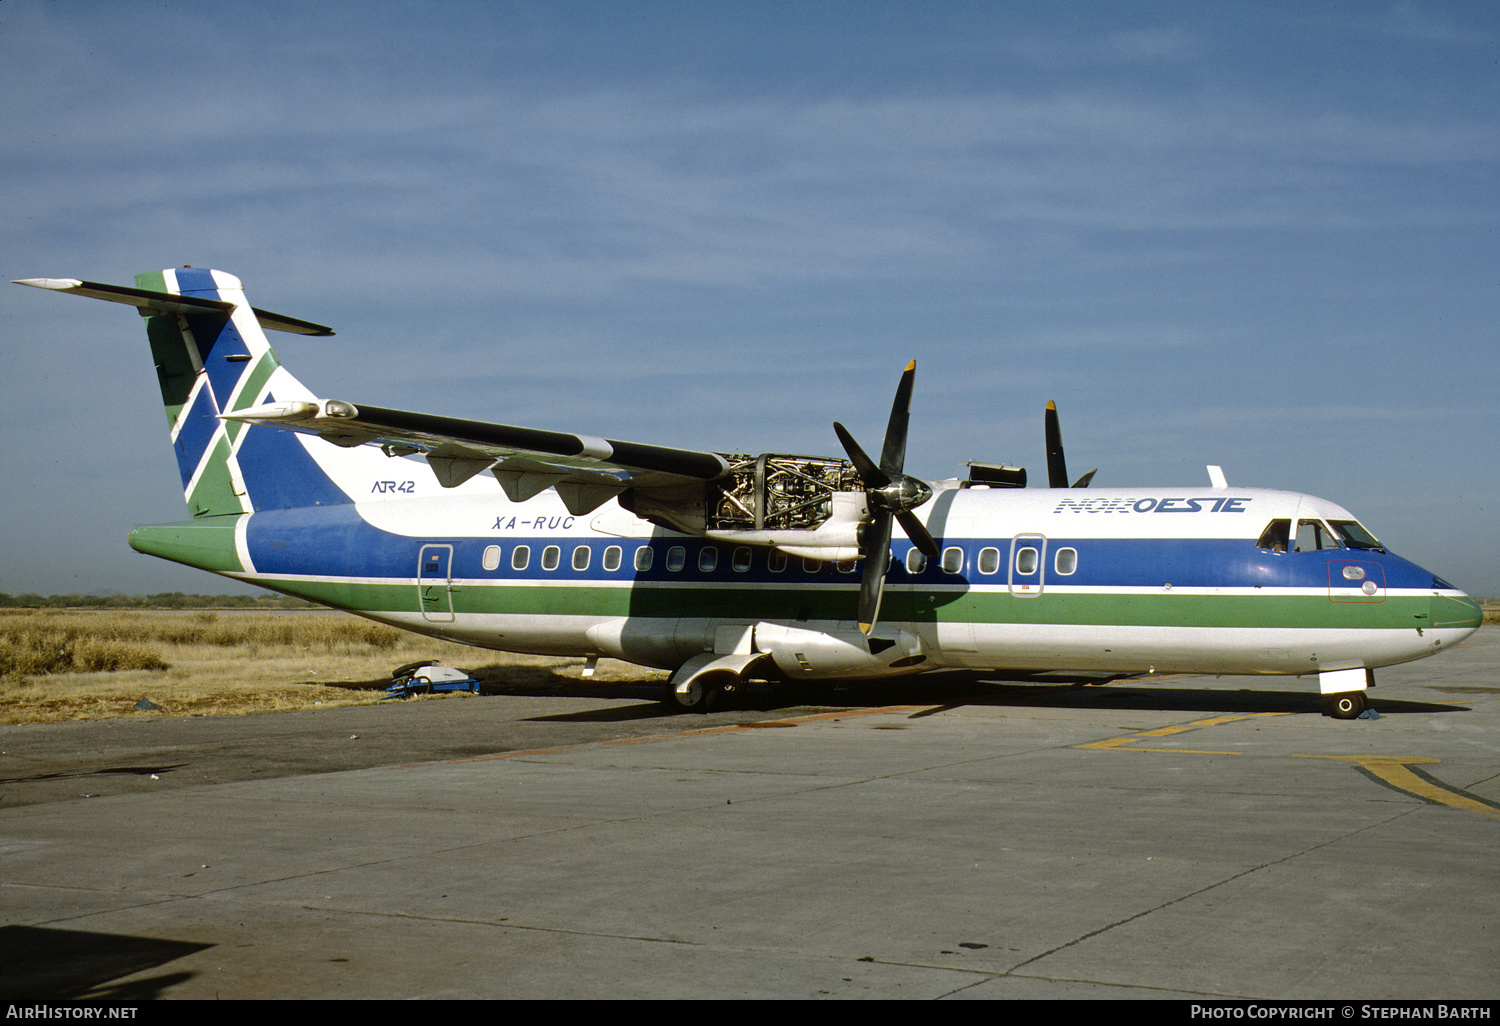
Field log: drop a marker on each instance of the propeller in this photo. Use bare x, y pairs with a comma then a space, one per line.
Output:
1057, 466
890, 495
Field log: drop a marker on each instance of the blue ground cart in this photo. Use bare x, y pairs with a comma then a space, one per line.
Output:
429, 678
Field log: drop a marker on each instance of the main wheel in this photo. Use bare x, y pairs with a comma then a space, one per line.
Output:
1348, 705
702, 693
693, 700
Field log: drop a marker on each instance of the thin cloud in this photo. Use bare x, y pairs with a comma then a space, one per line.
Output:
1407, 20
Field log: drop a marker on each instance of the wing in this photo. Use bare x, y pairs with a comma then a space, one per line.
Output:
586, 471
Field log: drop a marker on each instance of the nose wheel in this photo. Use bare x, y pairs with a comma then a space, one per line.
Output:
1346, 706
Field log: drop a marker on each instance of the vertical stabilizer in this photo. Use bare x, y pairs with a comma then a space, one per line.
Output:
207, 363
211, 355
218, 361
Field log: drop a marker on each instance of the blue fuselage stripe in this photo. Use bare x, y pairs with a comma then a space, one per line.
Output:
336, 541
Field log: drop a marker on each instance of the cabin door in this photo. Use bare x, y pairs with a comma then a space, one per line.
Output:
435, 583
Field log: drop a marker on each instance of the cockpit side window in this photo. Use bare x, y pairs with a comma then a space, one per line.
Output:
1275, 536
1314, 535
1353, 534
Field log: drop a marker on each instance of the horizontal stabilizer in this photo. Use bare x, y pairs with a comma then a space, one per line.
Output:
168, 302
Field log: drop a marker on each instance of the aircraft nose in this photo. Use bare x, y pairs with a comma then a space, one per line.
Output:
1453, 609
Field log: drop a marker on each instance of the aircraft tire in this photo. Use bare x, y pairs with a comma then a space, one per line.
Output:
695, 701
703, 693
1347, 705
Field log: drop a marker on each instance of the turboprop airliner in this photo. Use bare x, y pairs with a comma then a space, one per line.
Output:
724, 567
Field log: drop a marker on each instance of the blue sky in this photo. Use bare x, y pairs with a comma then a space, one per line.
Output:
1261, 235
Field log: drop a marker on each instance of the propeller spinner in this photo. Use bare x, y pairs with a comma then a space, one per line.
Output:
890, 495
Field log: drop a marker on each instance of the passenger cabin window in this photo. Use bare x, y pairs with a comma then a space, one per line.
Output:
916, 562
491, 557
776, 561
643, 558
676, 558
551, 556
953, 560
612, 558
989, 560
1026, 561
708, 558
741, 559
520, 556
1313, 536
1275, 536
1065, 562
581, 558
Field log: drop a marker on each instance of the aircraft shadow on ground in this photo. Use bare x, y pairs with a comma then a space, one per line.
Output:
1054, 692
44, 963
1244, 701
500, 679
1046, 690
946, 689
132, 771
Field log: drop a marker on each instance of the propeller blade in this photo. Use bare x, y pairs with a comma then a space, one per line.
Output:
1083, 482
872, 582
1057, 467
893, 453
872, 476
919, 535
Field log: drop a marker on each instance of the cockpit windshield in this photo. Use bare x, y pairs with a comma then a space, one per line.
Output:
1354, 535
1314, 536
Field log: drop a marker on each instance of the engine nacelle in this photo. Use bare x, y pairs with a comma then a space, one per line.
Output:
836, 538
807, 506
801, 653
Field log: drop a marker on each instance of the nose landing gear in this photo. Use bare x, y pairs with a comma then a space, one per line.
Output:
1346, 706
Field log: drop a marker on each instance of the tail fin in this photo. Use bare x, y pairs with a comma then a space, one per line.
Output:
212, 357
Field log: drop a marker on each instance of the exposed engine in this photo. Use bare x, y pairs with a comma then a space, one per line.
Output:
791, 502
778, 493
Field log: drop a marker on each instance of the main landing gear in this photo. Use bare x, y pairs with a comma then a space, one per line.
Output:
699, 684
702, 692
1346, 706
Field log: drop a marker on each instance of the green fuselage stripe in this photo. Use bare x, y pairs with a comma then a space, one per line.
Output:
1165, 609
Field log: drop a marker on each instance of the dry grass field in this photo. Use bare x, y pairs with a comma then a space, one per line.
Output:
75, 664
